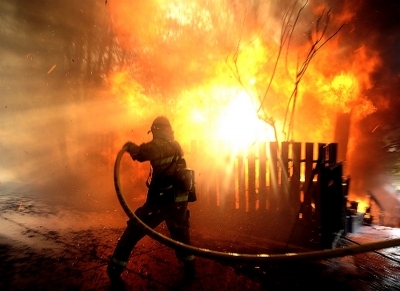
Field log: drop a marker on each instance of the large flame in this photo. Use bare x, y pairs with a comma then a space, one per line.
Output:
209, 75
213, 68
246, 129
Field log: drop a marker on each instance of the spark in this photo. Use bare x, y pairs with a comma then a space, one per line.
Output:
51, 69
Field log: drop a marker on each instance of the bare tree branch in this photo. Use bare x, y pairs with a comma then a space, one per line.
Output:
316, 39
316, 45
286, 34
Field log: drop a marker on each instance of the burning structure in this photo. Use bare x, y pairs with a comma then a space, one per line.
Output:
231, 72
247, 85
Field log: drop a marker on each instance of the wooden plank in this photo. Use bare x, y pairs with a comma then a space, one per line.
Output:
262, 176
332, 148
221, 175
241, 182
317, 193
284, 189
251, 175
322, 157
307, 191
229, 200
273, 197
295, 178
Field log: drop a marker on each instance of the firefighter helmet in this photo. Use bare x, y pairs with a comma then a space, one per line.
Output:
161, 123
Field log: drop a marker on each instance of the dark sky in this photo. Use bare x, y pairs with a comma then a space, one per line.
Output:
378, 28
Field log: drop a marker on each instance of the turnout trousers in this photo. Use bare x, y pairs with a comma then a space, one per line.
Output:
176, 216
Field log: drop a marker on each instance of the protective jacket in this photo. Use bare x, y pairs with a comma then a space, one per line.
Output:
166, 201
164, 153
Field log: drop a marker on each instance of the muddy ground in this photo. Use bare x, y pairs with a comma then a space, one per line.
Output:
51, 246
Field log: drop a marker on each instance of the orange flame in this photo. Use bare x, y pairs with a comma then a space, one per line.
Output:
212, 83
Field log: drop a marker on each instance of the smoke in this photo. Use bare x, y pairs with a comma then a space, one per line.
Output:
57, 129
78, 79
376, 29
369, 163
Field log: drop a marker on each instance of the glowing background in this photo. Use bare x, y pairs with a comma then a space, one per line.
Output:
77, 80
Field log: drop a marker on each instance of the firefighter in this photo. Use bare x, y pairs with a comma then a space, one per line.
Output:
165, 201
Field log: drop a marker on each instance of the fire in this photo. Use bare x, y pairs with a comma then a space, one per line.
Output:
342, 91
239, 124
221, 113
342, 94
215, 67
362, 206
129, 92
217, 111
208, 66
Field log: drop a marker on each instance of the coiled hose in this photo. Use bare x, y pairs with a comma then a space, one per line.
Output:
243, 258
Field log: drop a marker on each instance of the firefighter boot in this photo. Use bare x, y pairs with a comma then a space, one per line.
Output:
114, 272
190, 269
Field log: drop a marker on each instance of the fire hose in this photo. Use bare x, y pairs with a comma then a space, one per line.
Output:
238, 257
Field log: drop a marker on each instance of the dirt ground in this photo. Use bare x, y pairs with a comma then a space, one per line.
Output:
46, 246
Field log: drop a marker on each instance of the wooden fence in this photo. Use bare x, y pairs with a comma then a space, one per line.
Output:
290, 192
265, 177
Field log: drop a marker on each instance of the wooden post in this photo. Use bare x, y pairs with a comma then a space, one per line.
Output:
251, 162
241, 182
284, 193
308, 182
332, 148
230, 200
262, 175
322, 153
273, 195
295, 178
317, 196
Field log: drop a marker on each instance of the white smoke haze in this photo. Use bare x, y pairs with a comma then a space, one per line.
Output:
79, 79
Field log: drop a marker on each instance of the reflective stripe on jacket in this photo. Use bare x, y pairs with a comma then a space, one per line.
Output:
162, 155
